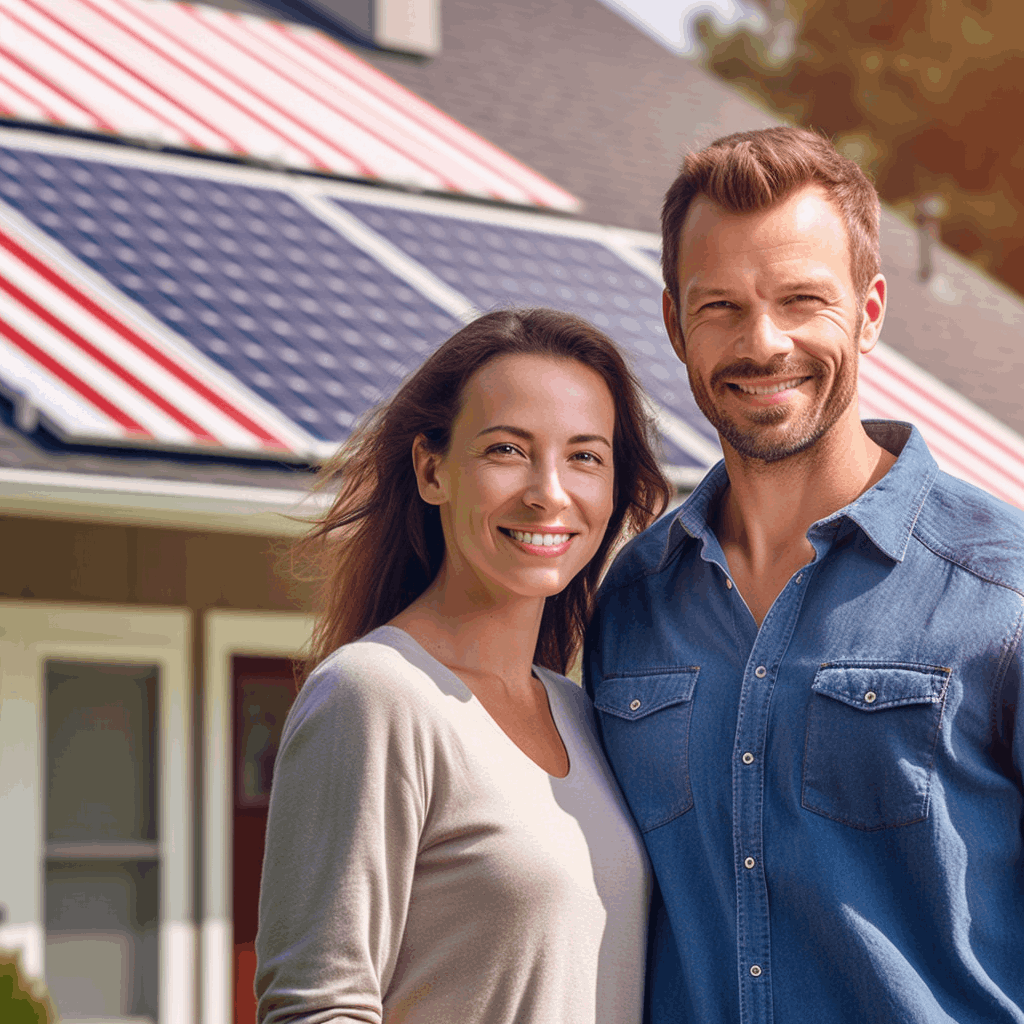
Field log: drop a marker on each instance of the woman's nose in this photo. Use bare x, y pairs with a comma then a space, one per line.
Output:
546, 489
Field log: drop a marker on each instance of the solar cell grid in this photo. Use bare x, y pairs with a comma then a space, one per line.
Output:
247, 275
496, 265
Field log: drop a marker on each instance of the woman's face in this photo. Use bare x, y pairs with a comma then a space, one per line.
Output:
526, 489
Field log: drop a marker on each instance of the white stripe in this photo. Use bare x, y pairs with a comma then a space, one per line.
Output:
97, 376
105, 100
936, 421
122, 352
172, 344
390, 256
41, 93
324, 109
181, 44
951, 455
64, 408
465, 172
440, 124
122, 46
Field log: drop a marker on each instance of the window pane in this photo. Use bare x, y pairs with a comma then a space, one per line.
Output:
101, 938
101, 750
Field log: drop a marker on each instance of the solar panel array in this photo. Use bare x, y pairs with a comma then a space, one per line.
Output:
290, 307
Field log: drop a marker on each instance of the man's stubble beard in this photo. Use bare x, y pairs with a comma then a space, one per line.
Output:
752, 443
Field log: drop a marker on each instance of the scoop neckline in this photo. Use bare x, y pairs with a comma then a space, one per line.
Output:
554, 706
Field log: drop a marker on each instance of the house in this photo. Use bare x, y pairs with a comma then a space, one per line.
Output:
222, 239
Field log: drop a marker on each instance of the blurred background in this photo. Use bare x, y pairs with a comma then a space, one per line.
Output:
228, 228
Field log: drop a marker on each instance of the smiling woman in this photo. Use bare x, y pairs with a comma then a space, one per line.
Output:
445, 839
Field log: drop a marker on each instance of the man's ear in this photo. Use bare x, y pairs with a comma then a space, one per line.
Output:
873, 313
675, 330
431, 481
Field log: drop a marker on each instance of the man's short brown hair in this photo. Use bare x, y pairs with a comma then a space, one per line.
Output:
751, 171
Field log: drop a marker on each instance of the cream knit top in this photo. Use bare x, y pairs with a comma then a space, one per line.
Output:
420, 868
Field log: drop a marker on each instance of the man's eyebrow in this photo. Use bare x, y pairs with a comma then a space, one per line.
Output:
527, 436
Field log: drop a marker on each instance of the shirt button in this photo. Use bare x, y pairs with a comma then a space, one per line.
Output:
760, 671
749, 863
755, 971
800, 578
870, 697
748, 758
728, 584
634, 704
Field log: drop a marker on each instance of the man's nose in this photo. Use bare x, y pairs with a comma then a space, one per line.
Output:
762, 338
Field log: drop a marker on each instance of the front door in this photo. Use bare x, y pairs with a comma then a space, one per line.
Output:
263, 690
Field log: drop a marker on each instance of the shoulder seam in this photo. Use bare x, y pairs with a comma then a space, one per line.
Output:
933, 547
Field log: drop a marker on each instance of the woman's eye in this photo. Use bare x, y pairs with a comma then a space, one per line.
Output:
588, 457
502, 449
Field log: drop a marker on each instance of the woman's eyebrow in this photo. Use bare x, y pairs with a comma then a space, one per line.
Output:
527, 436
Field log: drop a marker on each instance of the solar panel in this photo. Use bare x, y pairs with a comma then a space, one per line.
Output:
248, 275
497, 265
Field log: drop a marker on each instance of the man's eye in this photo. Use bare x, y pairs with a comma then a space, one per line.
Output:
502, 449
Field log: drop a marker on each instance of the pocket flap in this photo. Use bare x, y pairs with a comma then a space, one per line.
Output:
872, 687
634, 697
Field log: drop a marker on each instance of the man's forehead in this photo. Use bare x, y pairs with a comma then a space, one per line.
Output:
801, 225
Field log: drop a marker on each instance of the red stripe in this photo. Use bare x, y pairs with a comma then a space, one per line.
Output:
948, 413
96, 119
486, 158
322, 99
104, 360
938, 427
245, 86
365, 126
914, 386
162, 118
76, 384
141, 343
49, 114
968, 472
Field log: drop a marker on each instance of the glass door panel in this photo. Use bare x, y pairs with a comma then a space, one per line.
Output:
102, 840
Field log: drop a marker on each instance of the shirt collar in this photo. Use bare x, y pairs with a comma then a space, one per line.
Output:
886, 512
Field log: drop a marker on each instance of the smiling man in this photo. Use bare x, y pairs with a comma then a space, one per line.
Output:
809, 678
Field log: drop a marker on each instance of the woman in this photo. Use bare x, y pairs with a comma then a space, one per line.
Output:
445, 841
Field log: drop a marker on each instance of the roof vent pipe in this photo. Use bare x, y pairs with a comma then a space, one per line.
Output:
929, 212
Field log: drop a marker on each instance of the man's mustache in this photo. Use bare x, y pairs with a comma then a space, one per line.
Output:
747, 369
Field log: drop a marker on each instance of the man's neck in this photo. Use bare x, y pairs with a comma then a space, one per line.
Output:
762, 519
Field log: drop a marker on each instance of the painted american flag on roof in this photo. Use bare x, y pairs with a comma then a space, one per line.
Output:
169, 302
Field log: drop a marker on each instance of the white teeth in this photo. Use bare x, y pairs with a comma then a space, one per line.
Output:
771, 389
545, 540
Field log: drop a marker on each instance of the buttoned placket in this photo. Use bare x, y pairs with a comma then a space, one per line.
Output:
753, 939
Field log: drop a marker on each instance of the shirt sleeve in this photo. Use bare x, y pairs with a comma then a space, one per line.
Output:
346, 813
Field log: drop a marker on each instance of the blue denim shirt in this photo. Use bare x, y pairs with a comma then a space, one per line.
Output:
832, 803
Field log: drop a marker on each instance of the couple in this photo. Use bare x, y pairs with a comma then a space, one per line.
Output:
806, 682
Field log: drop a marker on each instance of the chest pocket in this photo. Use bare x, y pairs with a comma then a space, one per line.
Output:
645, 724
870, 749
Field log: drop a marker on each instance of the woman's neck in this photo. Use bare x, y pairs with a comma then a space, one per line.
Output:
480, 635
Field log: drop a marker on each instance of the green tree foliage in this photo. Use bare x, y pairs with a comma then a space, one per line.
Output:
924, 94
20, 1001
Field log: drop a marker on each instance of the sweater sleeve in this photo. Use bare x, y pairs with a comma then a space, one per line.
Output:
346, 813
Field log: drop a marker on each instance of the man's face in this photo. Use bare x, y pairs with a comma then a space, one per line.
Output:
769, 324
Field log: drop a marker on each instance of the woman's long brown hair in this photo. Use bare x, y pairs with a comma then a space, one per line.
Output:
380, 545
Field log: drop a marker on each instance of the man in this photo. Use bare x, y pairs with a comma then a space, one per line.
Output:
808, 679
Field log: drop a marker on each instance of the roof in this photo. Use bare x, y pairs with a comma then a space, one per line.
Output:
233, 84
164, 302
577, 92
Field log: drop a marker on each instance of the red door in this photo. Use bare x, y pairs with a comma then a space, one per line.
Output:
263, 691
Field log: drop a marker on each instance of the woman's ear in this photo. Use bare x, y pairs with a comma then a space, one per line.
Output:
431, 479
